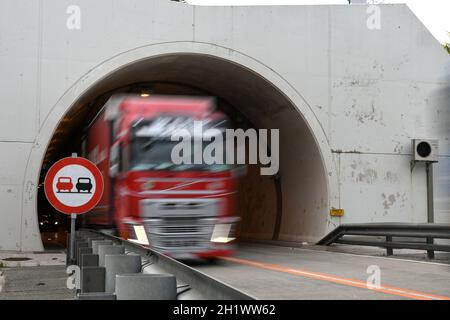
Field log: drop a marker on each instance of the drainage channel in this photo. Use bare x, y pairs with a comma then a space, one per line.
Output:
111, 268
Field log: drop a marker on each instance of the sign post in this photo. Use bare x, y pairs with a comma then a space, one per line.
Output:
73, 186
73, 221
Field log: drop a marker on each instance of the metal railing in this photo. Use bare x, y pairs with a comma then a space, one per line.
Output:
391, 236
197, 284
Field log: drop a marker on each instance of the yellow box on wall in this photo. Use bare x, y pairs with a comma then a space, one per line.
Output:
336, 212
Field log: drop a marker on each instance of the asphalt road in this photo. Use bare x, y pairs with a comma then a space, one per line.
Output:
273, 272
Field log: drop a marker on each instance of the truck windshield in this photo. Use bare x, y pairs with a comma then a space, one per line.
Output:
155, 154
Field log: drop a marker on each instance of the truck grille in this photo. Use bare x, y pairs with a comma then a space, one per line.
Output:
179, 225
157, 208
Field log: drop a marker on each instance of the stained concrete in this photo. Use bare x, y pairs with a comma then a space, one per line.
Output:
34, 283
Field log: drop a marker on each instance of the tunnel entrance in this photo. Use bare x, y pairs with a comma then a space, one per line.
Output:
291, 206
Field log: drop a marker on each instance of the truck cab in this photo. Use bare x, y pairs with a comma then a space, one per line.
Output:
184, 210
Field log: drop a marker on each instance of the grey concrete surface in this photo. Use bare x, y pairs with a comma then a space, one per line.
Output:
31, 259
430, 278
34, 283
146, 287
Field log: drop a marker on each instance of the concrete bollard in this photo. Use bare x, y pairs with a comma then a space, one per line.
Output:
92, 279
89, 260
96, 296
146, 287
90, 239
108, 249
79, 244
83, 251
84, 234
96, 243
119, 264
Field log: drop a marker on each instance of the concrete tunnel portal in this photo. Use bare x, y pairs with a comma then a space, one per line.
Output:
292, 206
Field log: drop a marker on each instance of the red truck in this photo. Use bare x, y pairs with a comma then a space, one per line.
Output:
184, 210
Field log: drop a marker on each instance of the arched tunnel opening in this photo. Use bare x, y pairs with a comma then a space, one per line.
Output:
290, 206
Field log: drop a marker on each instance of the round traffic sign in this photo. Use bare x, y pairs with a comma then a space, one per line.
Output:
73, 185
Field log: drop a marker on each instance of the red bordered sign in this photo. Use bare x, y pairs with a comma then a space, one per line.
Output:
73, 185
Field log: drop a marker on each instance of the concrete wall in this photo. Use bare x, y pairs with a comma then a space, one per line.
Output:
363, 93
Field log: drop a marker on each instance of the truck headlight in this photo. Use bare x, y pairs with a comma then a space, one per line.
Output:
141, 235
223, 233
137, 231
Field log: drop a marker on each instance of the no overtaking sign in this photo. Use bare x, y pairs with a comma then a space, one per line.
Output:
73, 185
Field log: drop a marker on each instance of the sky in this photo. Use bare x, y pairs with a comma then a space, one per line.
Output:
434, 14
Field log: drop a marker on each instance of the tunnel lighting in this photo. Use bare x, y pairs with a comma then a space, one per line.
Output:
221, 233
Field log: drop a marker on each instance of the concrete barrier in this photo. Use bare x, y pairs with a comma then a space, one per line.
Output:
120, 264
108, 250
79, 244
96, 243
146, 287
90, 239
92, 279
89, 260
96, 296
82, 251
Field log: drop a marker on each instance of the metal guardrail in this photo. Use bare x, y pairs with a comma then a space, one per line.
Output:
198, 285
390, 231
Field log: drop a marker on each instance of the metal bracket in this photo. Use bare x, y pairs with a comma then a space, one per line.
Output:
412, 164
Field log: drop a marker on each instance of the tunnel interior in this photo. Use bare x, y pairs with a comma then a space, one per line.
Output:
290, 206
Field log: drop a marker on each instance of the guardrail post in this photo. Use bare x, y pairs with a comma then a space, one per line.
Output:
120, 264
430, 253
389, 251
146, 287
104, 250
